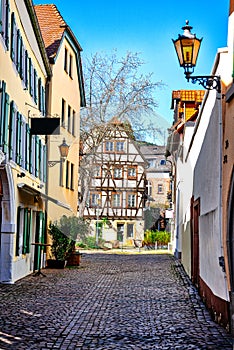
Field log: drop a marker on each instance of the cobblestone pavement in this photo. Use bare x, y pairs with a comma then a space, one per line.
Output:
111, 301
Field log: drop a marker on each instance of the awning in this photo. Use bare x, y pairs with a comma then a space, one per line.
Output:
32, 191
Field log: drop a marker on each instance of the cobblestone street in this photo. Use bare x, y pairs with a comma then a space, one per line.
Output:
112, 301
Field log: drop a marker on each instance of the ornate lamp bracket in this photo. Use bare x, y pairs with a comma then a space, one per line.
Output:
209, 82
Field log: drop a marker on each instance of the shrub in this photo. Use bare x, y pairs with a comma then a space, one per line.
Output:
161, 237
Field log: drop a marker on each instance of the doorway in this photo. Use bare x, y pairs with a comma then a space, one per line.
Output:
120, 232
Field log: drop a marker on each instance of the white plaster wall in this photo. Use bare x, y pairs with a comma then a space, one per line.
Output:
207, 188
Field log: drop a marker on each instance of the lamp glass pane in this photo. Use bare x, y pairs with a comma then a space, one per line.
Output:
187, 49
64, 148
196, 48
177, 45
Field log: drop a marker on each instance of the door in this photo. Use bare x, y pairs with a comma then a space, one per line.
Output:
39, 238
195, 243
120, 232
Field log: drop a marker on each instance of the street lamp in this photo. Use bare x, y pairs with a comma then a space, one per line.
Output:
63, 149
187, 48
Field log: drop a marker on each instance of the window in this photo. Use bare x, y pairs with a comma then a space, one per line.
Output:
70, 66
73, 123
69, 175
41, 97
63, 112
149, 188
119, 146
131, 200
117, 173
130, 228
95, 199
98, 171
151, 163
72, 177
109, 146
69, 118
65, 59
160, 188
116, 200
131, 172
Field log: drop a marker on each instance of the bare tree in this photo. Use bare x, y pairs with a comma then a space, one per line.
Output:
114, 88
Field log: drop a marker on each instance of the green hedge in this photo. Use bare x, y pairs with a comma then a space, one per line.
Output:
161, 237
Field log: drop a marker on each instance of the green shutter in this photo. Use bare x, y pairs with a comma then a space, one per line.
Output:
17, 232
27, 148
40, 160
44, 163
2, 111
30, 153
18, 140
35, 83
11, 129
26, 69
25, 231
13, 36
5, 123
6, 29
37, 155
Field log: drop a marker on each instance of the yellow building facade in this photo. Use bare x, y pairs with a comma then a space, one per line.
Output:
24, 74
66, 96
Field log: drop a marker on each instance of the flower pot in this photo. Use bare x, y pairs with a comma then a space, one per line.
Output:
56, 264
74, 259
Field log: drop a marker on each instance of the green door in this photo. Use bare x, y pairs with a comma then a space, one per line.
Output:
39, 238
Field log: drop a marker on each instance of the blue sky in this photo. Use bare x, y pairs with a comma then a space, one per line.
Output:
148, 27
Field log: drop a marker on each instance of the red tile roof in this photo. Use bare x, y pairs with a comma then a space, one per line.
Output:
52, 27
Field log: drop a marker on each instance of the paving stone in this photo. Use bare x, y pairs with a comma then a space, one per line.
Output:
113, 301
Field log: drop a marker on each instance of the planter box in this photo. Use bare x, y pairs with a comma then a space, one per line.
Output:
56, 264
74, 259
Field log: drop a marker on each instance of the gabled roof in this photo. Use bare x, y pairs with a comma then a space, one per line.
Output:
53, 28
37, 31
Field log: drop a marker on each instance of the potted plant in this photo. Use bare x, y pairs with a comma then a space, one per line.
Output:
61, 247
64, 235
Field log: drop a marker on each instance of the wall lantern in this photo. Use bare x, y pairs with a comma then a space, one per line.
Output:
187, 48
63, 149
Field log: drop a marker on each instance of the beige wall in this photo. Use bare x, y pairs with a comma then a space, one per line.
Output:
62, 86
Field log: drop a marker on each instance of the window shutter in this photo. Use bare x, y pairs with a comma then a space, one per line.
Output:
13, 36
17, 232
5, 123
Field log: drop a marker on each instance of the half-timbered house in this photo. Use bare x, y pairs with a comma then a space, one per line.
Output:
116, 192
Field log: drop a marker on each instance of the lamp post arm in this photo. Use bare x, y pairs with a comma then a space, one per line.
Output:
209, 82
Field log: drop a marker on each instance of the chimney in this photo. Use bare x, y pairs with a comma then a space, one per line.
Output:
231, 8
